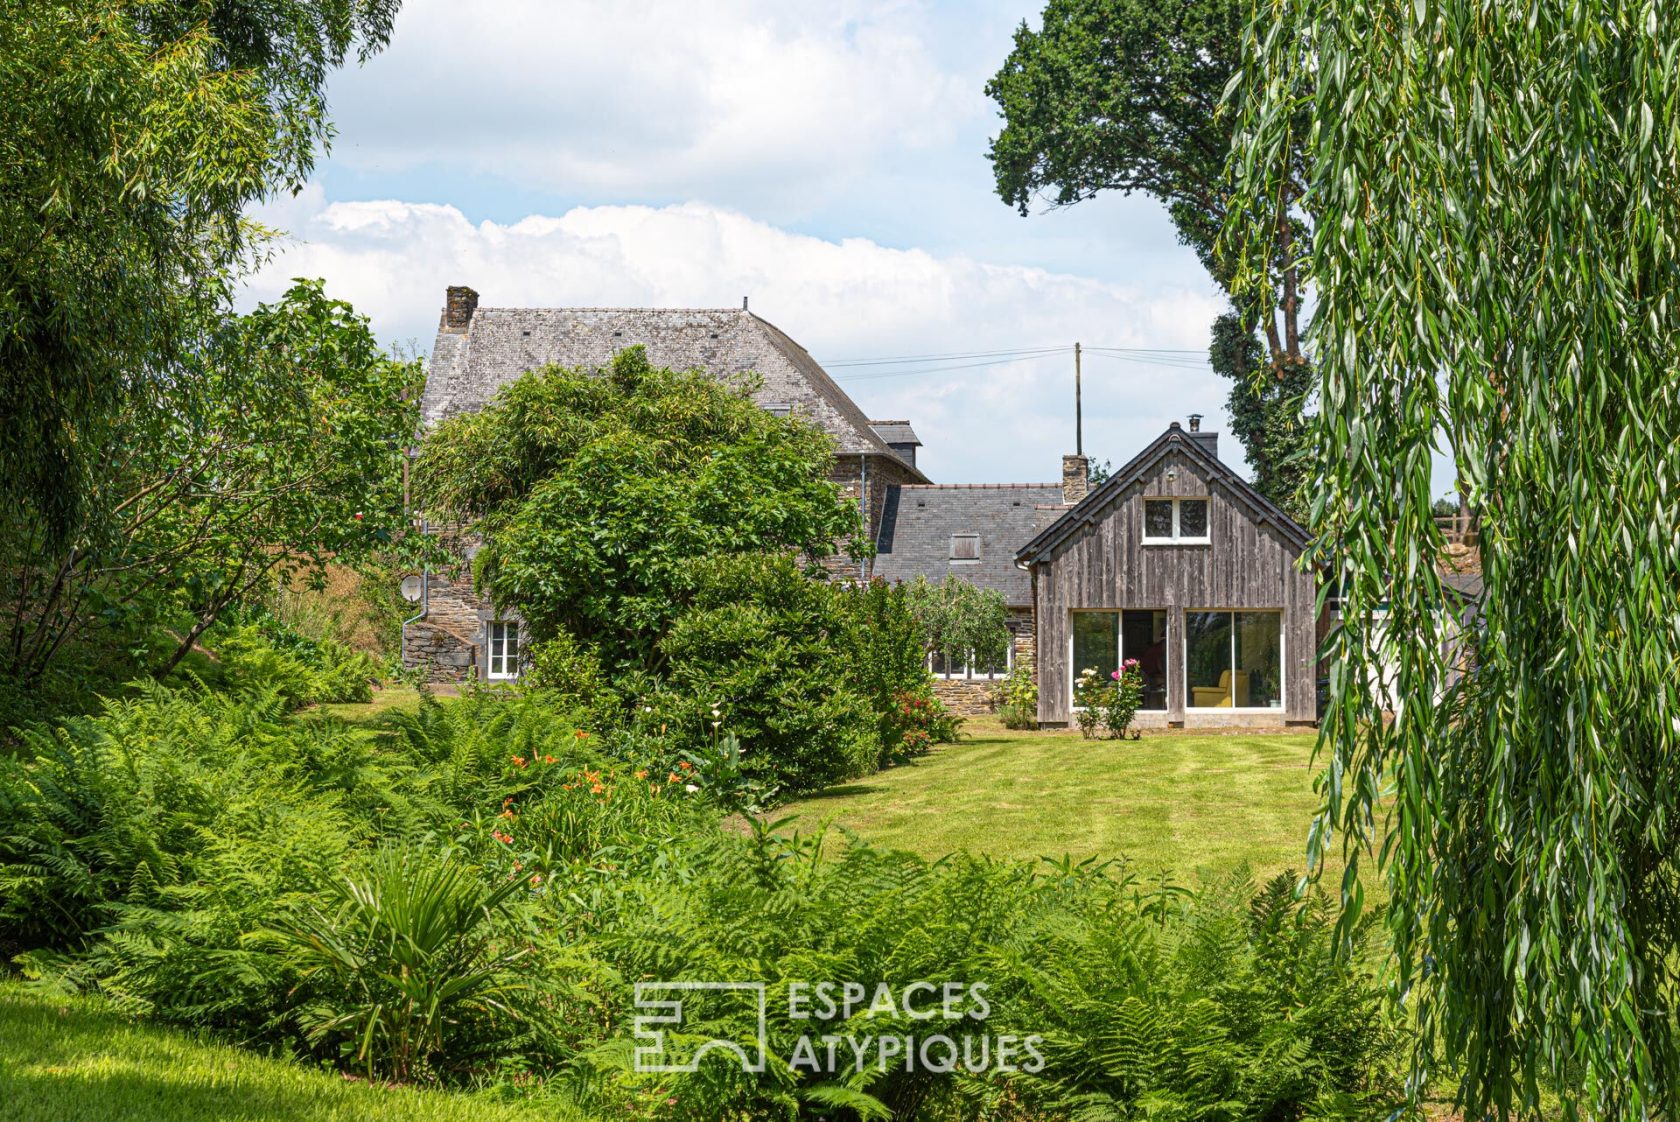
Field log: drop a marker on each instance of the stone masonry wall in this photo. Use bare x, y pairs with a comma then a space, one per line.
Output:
446, 642
970, 697
852, 475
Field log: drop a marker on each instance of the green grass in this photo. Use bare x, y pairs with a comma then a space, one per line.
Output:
1169, 802
388, 700
74, 1061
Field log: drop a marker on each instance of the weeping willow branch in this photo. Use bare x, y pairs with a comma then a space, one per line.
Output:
1494, 195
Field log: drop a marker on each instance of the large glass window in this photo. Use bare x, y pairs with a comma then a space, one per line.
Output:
1143, 636
1258, 648
1102, 639
1096, 642
1233, 660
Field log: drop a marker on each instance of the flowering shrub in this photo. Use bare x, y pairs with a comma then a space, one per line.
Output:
1124, 699
1017, 698
923, 722
1106, 708
1090, 699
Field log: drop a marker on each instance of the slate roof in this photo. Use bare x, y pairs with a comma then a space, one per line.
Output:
917, 523
1092, 506
499, 344
896, 432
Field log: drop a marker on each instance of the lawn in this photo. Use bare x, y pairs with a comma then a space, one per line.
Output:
390, 699
1169, 802
74, 1061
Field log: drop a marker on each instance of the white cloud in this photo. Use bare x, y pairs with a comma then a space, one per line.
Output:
848, 299
757, 100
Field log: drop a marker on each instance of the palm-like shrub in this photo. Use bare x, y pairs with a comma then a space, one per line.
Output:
408, 965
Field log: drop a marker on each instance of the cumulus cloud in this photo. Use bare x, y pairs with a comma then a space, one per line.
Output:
767, 101
844, 300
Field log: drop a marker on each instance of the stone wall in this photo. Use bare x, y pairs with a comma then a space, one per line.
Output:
448, 642
855, 475
971, 697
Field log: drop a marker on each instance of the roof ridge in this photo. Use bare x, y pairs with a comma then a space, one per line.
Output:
980, 486
603, 308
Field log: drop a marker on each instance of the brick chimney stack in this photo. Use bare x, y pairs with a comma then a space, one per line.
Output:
459, 304
1076, 478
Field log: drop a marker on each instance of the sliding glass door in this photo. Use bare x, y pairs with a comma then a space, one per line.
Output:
1101, 640
1233, 660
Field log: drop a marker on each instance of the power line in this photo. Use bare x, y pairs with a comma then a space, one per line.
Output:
875, 375
938, 358
1162, 361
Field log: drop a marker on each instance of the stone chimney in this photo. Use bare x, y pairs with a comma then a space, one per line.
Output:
1076, 478
459, 304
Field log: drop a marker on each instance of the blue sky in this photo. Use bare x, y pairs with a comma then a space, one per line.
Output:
827, 160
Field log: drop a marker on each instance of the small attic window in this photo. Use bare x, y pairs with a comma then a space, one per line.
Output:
778, 408
965, 547
618, 335
525, 332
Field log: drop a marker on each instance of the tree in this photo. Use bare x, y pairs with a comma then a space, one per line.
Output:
1495, 192
133, 136
280, 448
597, 496
962, 623
1125, 95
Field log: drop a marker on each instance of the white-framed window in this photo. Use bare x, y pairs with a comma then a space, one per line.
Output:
1175, 520
1101, 639
778, 408
503, 661
1233, 659
942, 667
965, 547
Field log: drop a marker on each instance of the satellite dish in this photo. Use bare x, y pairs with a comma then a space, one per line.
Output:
412, 586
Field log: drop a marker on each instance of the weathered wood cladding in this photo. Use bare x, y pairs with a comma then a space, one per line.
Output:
1248, 564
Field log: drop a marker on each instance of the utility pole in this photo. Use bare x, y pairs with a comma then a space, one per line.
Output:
1078, 408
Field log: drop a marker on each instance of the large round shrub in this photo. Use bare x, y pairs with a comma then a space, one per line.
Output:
762, 644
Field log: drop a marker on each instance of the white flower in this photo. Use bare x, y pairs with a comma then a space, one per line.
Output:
715, 724
691, 788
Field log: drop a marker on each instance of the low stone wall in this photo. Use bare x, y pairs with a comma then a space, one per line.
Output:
966, 697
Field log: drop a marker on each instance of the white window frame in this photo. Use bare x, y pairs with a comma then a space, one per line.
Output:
968, 674
1283, 660
1120, 651
500, 665
1177, 538
955, 560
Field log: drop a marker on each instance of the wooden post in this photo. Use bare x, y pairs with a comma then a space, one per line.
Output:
1078, 408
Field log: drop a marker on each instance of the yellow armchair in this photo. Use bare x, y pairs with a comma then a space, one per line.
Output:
1219, 697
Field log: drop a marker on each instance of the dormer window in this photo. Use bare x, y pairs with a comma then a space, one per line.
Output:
965, 548
778, 409
1180, 521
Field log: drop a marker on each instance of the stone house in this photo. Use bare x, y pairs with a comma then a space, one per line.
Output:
1178, 562
972, 531
456, 633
